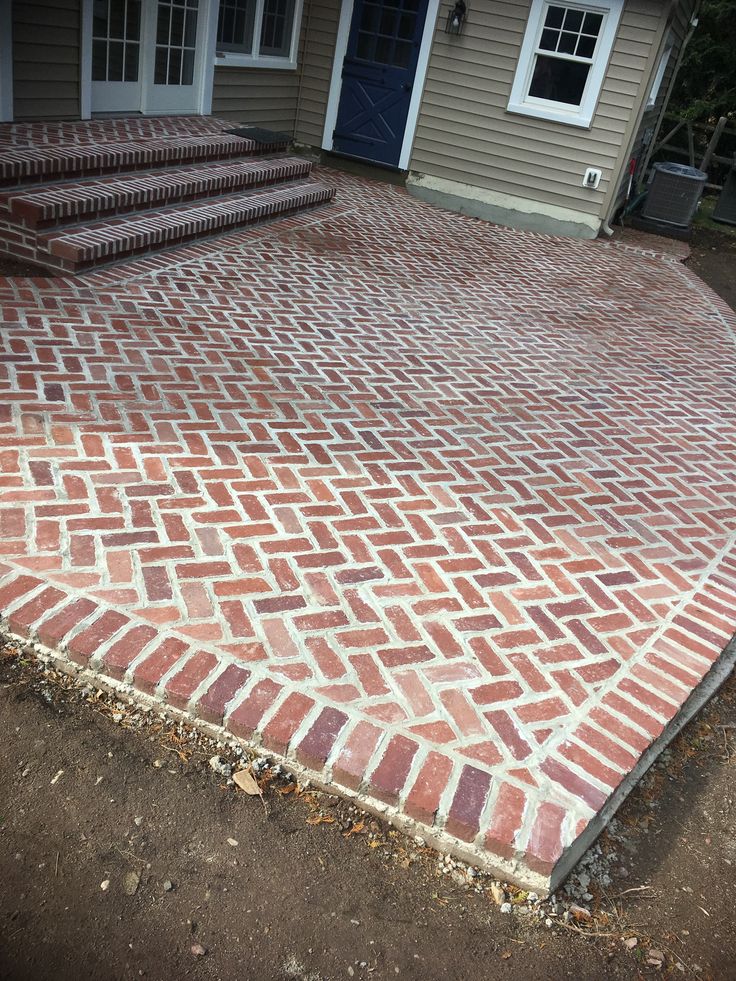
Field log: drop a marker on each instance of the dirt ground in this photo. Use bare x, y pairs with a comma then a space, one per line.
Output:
88, 797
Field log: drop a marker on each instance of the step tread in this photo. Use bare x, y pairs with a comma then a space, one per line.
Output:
120, 235
77, 200
33, 162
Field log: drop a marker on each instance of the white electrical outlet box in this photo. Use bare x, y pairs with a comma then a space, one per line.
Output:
592, 178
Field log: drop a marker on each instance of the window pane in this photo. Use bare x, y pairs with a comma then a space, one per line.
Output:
592, 24
407, 26
190, 31
369, 17
384, 50
586, 47
236, 24
554, 17
162, 60
99, 18
99, 61
162, 25
573, 20
559, 80
278, 23
115, 61
117, 19
365, 46
174, 66
567, 43
131, 62
187, 68
133, 24
402, 54
177, 25
389, 22
549, 40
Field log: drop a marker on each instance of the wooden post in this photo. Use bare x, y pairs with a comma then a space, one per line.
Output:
713, 143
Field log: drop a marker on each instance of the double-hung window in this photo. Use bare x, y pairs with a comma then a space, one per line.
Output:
563, 59
258, 32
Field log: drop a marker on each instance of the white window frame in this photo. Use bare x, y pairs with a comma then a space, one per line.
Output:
661, 69
559, 112
253, 60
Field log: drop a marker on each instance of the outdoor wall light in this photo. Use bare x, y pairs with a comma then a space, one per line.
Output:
456, 18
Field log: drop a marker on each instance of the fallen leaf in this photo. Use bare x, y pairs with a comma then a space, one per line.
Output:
321, 819
374, 844
198, 950
579, 913
498, 893
288, 790
247, 782
355, 830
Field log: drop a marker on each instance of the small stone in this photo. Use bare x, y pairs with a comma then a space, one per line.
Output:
233, 842
138, 821
506, 907
168, 885
158, 764
631, 942
26, 771
548, 923
105, 885
131, 881
198, 950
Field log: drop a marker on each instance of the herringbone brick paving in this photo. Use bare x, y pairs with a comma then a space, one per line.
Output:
445, 512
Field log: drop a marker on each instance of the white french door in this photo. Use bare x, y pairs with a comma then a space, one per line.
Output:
149, 56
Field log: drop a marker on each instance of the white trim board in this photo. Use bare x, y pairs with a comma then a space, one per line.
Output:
6, 62
341, 45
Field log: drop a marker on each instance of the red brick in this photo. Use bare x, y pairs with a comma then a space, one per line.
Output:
85, 645
545, 840
314, 749
463, 819
53, 631
279, 732
245, 718
506, 820
14, 590
211, 706
423, 799
22, 619
180, 688
355, 755
124, 651
149, 672
573, 783
388, 779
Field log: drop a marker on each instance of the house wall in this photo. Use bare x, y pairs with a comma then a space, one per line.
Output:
295, 101
468, 146
46, 55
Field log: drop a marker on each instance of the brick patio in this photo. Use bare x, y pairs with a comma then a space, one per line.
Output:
442, 512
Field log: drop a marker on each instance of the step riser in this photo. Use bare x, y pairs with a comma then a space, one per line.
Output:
19, 168
133, 249
154, 190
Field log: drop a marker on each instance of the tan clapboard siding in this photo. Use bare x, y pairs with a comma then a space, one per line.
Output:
46, 55
465, 134
291, 101
260, 96
320, 32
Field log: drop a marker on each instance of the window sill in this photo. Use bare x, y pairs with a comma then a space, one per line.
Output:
231, 59
539, 112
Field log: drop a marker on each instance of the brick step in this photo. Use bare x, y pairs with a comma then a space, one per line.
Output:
117, 237
43, 164
68, 203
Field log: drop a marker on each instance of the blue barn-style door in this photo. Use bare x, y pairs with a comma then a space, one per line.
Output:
378, 78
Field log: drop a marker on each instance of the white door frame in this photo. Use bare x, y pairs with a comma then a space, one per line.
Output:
6, 62
341, 46
205, 59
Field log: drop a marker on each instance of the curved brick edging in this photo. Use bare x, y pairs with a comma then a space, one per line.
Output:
474, 816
